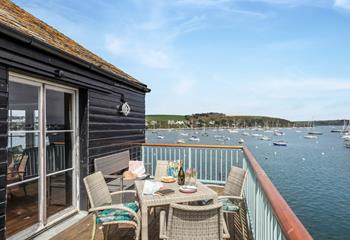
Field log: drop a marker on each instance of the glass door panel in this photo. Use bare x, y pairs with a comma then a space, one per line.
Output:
22, 193
59, 151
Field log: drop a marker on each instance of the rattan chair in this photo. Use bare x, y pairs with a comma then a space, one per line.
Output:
193, 223
232, 193
102, 200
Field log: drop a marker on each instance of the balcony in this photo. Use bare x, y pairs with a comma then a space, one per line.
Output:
266, 214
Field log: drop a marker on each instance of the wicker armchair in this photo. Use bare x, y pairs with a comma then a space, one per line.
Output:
103, 203
232, 194
193, 223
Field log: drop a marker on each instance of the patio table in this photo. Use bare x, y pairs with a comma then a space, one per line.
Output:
147, 201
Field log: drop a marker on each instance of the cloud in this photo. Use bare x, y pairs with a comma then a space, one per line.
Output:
345, 4
147, 55
184, 86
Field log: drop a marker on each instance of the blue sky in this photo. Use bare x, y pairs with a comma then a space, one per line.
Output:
287, 58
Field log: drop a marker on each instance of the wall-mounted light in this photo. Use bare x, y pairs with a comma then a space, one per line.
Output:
125, 107
59, 73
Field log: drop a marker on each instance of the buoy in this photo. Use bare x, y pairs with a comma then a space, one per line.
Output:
303, 159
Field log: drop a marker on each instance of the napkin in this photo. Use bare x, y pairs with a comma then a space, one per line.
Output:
151, 187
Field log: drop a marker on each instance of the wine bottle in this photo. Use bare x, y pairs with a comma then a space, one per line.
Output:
181, 175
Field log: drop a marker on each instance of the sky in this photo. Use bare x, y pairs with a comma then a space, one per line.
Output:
282, 58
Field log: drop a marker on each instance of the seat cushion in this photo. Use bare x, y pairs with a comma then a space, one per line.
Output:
109, 215
229, 206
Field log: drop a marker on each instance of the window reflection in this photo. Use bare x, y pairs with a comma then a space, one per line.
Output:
58, 151
22, 207
23, 107
23, 156
58, 110
59, 192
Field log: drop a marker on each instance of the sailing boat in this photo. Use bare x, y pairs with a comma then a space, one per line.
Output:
312, 132
344, 130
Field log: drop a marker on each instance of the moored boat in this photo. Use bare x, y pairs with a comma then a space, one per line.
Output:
241, 141
194, 139
315, 133
310, 137
181, 141
280, 143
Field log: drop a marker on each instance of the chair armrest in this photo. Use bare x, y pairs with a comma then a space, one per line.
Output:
226, 234
215, 186
118, 207
124, 191
123, 196
162, 225
111, 176
230, 197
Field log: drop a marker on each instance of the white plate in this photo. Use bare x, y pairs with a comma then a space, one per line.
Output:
188, 189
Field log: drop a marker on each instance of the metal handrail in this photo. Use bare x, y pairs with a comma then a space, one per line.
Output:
291, 226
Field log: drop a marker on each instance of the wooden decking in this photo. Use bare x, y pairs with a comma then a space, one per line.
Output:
83, 230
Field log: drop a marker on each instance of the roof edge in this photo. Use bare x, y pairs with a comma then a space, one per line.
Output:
13, 33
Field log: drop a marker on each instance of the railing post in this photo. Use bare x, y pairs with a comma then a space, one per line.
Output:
189, 157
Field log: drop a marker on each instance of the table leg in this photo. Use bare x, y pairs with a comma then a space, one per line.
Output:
144, 223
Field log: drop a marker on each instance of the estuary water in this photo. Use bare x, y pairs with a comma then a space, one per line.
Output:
313, 175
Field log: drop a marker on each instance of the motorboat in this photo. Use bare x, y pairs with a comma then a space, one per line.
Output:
310, 137
257, 135
184, 134
279, 133
194, 139
241, 141
315, 133
265, 138
160, 137
181, 141
280, 143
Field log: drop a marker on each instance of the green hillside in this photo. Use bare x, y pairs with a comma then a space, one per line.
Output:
165, 117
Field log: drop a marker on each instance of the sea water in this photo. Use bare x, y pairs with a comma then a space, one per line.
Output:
313, 175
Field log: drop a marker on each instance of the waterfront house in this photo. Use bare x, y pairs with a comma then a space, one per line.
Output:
61, 106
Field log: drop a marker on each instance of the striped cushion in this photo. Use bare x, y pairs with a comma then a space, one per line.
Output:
229, 206
109, 215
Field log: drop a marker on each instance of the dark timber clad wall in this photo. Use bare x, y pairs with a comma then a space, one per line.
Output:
3, 146
109, 130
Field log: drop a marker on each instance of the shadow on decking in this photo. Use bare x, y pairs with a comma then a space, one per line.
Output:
82, 230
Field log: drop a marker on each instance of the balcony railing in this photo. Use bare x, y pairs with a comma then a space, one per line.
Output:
269, 215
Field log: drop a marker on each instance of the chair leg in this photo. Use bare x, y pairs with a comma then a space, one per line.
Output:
93, 227
106, 233
137, 233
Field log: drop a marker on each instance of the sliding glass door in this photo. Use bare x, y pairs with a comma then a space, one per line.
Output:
41, 184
